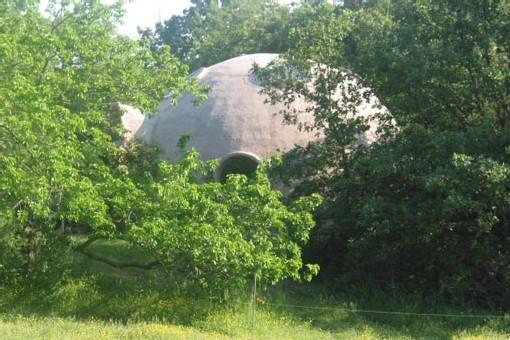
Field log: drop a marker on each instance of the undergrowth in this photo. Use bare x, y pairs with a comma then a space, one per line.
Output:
100, 301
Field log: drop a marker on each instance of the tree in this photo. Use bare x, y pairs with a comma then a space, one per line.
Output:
64, 167
221, 234
61, 77
207, 33
423, 209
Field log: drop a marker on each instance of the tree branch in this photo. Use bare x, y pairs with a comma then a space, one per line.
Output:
116, 264
87, 243
17, 139
121, 265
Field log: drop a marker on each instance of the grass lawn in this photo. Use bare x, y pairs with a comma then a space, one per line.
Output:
225, 325
59, 328
108, 303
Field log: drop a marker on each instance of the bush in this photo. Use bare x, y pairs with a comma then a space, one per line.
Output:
428, 211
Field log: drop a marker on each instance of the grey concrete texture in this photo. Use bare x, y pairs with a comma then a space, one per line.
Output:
234, 118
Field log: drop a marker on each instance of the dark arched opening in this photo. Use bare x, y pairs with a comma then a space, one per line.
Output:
244, 163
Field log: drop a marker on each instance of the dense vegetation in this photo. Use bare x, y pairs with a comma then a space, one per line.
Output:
64, 172
207, 33
427, 207
109, 231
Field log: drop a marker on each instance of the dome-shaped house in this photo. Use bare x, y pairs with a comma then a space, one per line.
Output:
234, 124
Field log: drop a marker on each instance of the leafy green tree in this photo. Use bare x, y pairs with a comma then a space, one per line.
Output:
448, 61
61, 77
427, 207
221, 234
207, 33
65, 170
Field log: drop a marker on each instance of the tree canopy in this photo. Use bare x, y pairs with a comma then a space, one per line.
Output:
426, 207
66, 170
206, 33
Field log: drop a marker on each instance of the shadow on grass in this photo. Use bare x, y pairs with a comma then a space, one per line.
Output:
96, 291
335, 315
114, 299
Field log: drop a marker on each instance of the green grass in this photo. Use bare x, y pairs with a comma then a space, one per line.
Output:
236, 324
58, 328
101, 302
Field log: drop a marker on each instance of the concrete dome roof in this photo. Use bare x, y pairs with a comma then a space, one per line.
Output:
234, 120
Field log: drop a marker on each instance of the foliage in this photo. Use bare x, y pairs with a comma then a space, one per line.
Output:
61, 78
206, 33
426, 207
219, 235
431, 208
64, 170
